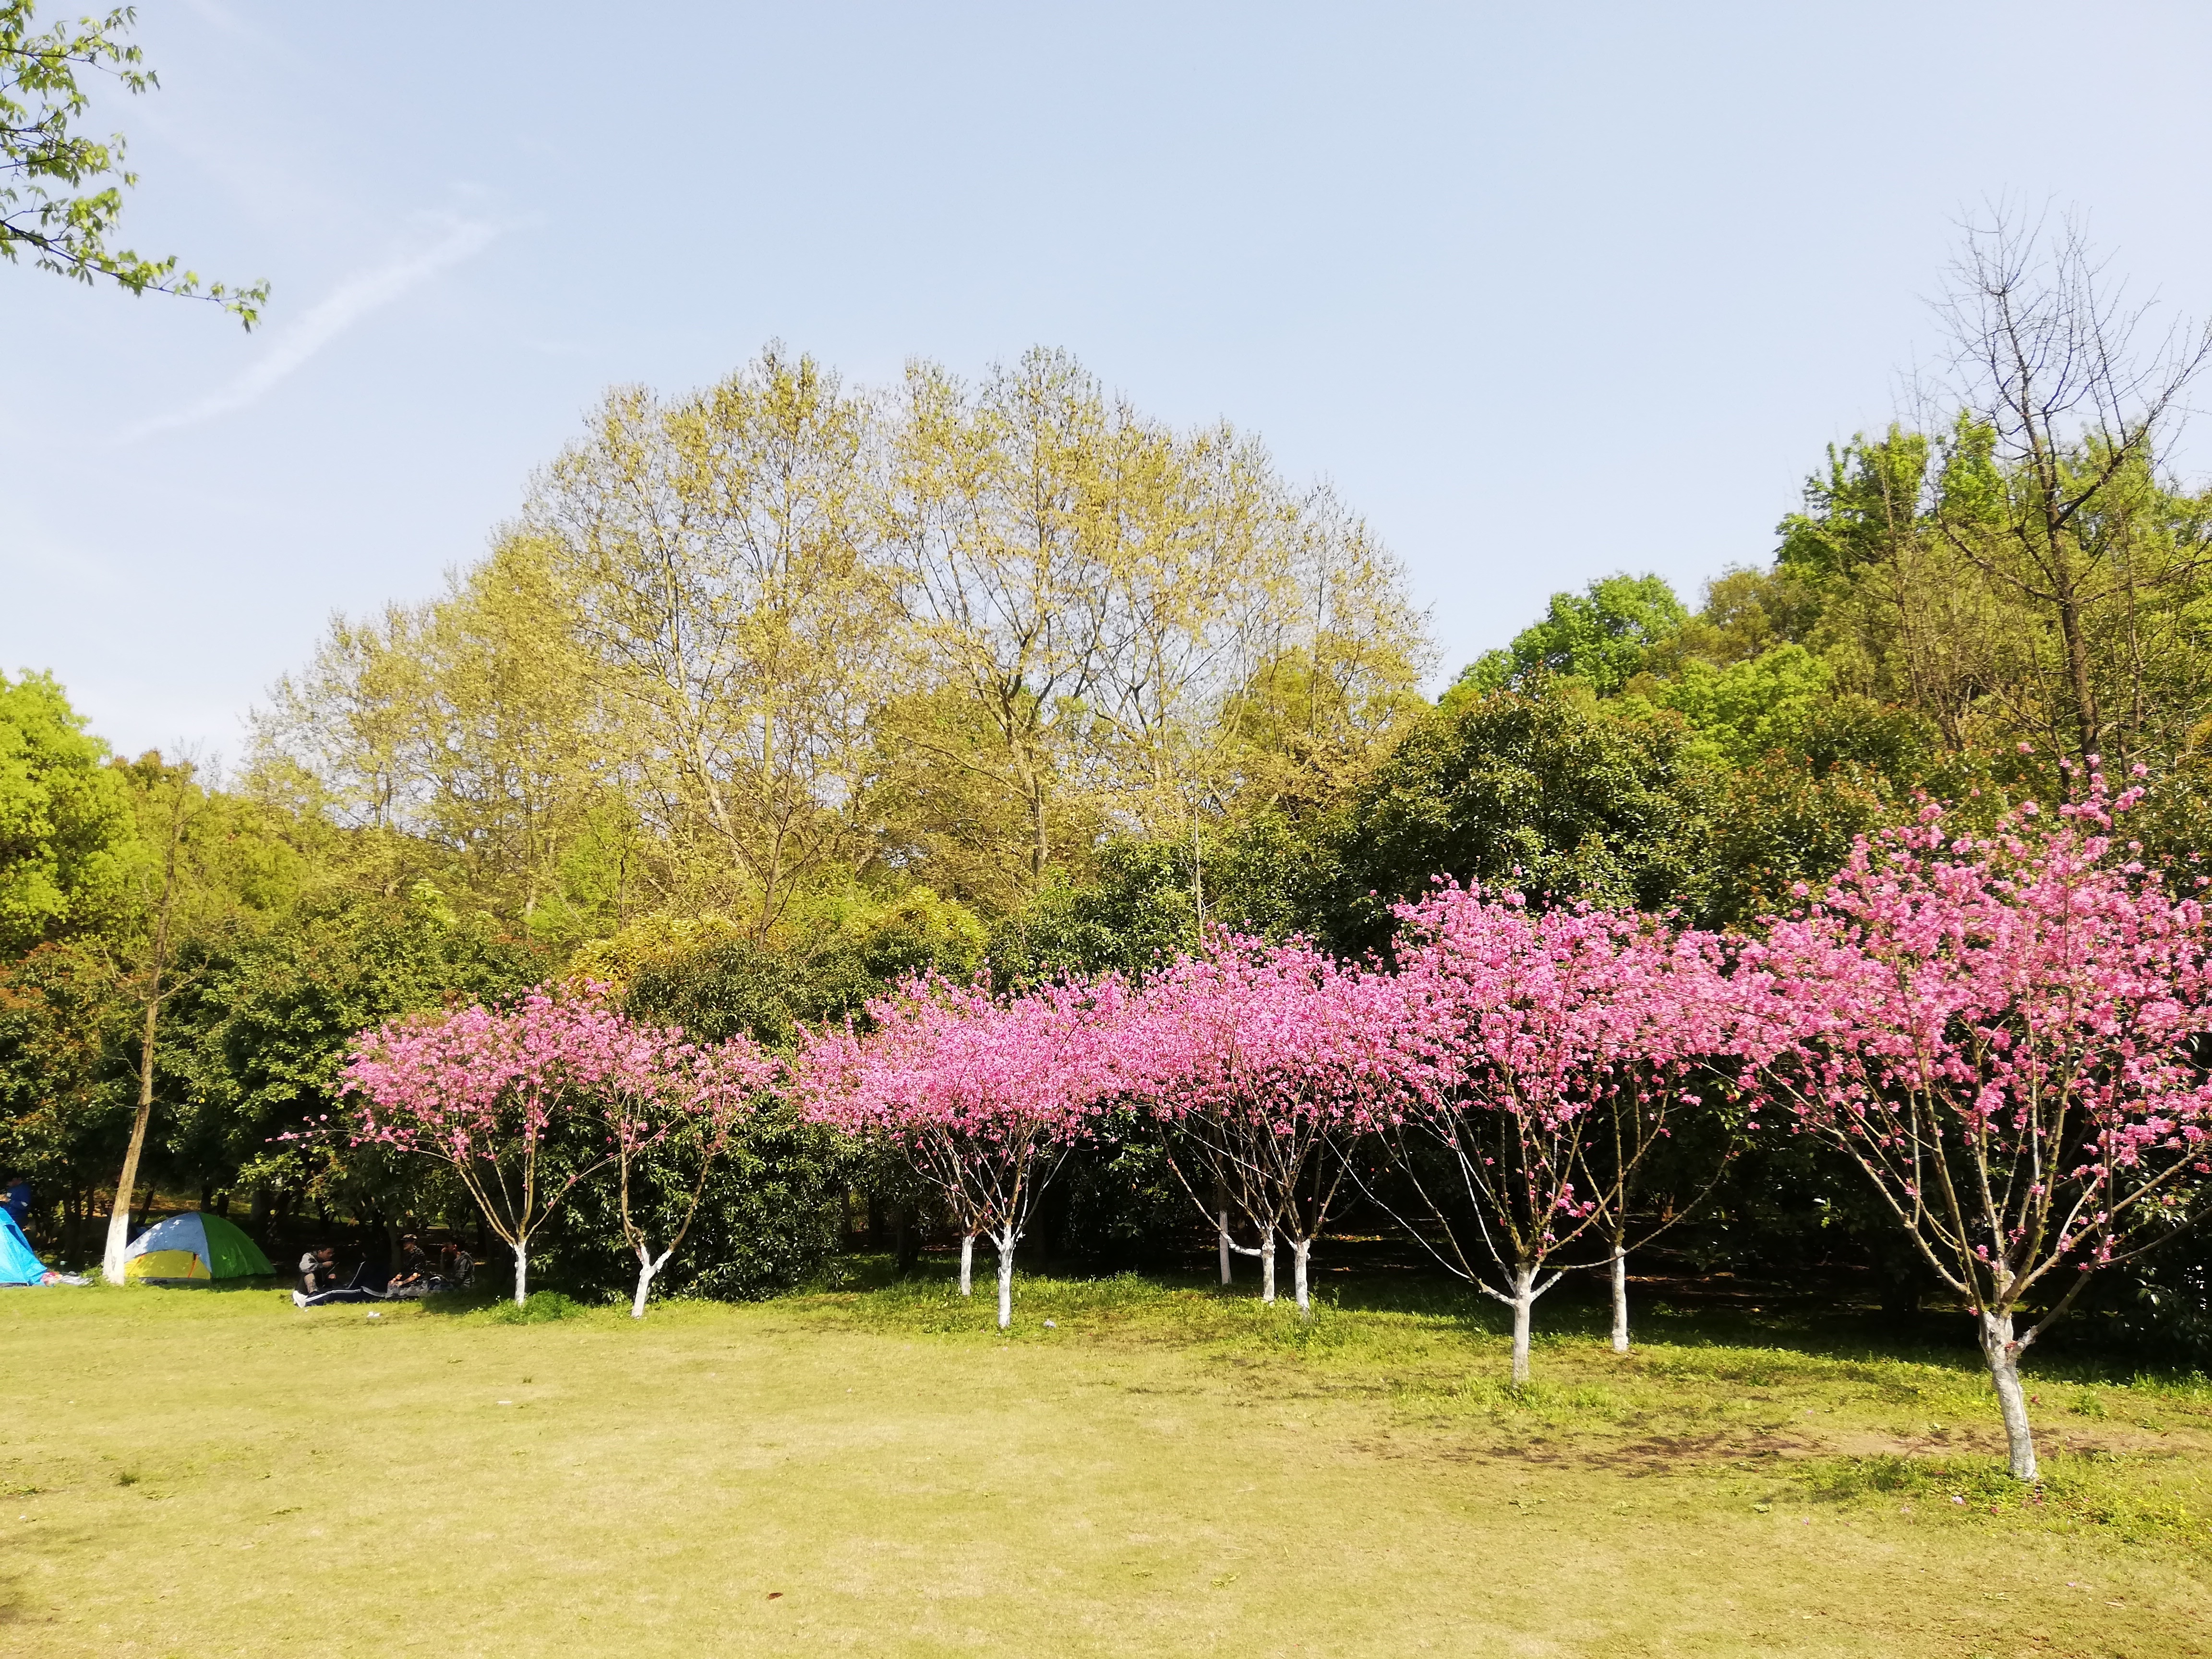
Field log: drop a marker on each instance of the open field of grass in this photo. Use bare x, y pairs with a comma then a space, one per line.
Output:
1158, 1470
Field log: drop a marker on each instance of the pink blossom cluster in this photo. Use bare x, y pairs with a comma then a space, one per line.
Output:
944, 1059
470, 1083
2008, 1032
983, 1094
481, 1090
1523, 1035
1283, 1034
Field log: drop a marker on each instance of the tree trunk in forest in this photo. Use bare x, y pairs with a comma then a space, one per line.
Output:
2003, 1354
1268, 1268
1005, 1243
1620, 1298
1298, 1249
1524, 1299
1221, 1225
119, 1212
1040, 830
967, 1264
2087, 724
521, 1274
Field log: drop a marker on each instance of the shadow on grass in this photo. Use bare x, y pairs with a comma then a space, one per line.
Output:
1747, 1329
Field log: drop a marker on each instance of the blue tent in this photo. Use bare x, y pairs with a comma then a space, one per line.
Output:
17, 1265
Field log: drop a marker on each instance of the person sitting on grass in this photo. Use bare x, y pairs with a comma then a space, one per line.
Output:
456, 1267
411, 1277
318, 1271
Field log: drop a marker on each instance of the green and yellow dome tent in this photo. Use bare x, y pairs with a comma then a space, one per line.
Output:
192, 1249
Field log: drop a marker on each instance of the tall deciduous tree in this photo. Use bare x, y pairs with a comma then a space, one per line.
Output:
2067, 400
1123, 626
715, 551
463, 735
165, 885
66, 832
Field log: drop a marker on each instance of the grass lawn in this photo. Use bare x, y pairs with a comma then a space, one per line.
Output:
1166, 1471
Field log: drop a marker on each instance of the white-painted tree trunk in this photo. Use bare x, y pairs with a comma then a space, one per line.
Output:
967, 1264
1524, 1300
113, 1261
1619, 1300
1005, 1243
1298, 1249
1221, 1225
2003, 1354
1268, 1268
646, 1273
521, 1274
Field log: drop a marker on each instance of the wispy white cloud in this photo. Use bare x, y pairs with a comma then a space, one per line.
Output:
293, 344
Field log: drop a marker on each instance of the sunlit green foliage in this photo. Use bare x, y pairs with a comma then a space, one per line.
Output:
67, 830
61, 189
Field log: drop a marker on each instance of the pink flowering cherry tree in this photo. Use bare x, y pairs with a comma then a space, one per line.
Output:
2008, 1033
983, 1096
701, 1098
1540, 1054
1678, 1038
485, 1092
1260, 1060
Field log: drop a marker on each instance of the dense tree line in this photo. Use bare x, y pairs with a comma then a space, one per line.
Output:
777, 692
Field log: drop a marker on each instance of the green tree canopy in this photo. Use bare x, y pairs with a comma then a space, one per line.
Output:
1546, 788
1602, 636
66, 827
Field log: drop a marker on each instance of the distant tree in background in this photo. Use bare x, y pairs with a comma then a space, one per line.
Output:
66, 831
207, 864
1602, 637
1544, 788
53, 205
2052, 479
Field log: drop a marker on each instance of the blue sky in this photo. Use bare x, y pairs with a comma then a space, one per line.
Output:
1548, 291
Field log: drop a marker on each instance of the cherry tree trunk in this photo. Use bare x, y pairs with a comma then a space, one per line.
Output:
1298, 1249
967, 1264
2003, 1354
1221, 1225
1619, 1300
1524, 1299
1268, 1267
646, 1272
1005, 1243
521, 1274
